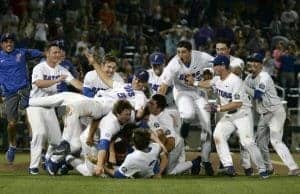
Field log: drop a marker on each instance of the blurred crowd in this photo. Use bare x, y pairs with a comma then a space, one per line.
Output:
132, 29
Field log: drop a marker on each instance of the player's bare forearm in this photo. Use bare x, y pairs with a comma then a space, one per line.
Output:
92, 130
163, 163
112, 153
109, 171
99, 169
77, 84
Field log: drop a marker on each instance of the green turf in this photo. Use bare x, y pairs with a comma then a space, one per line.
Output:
18, 181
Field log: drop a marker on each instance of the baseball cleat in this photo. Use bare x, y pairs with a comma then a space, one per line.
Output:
62, 149
33, 171
52, 167
248, 171
209, 171
295, 172
10, 154
230, 171
270, 171
264, 175
184, 129
195, 170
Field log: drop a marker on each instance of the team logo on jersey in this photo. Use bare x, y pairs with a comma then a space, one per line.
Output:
261, 86
18, 57
156, 124
237, 96
124, 169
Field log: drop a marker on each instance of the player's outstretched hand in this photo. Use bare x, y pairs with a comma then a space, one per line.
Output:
211, 108
99, 170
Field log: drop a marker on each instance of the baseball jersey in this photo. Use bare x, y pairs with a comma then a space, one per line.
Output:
164, 121
92, 83
13, 69
141, 164
175, 72
231, 90
43, 71
264, 83
109, 126
121, 91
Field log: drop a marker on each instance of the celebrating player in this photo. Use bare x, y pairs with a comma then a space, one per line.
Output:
238, 116
190, 100
260, 86
46, 79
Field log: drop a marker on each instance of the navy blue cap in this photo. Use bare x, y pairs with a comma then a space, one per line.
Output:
7, 36
142, 75
157, 58
256, 57
221, 60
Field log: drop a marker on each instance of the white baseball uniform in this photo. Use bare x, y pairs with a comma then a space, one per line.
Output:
43, 121
108, 127
92, 83
154, 83
191, 100
271, 121
231, 89
236, 62
141, 164
165, 121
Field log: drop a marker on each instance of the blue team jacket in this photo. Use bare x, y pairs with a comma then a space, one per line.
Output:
13, 69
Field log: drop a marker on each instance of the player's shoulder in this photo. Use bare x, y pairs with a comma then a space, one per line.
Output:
90, 74
117, 77
236, 62
234, 78
264, 76
202, 55
41, 64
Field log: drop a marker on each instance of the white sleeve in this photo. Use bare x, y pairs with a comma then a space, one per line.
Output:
37, 73
88, 80
262, 85
140, 101
169, 72
64, 71
107, 129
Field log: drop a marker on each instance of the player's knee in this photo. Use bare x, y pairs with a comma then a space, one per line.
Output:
275, 141
218, 137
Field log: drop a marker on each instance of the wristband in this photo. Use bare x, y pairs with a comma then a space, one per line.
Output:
218, 108
196, 83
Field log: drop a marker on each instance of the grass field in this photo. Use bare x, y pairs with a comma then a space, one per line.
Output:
15, 179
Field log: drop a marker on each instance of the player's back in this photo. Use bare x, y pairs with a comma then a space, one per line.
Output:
142, 164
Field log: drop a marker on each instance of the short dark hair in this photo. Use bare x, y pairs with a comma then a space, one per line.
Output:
224, 41
141, 138
185, 44
160, 101
120, 106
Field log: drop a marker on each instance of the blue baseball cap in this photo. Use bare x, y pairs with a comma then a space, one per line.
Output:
157, 58
142, 75
256, 57
7, 36
221, 60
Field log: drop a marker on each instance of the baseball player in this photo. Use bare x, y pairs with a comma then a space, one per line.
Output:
162, 123
157, 62
236, 64
190, 100
236, 67
260, 86
235, 102
109, 126
92, 82
14, 85
46, 79
143, 162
